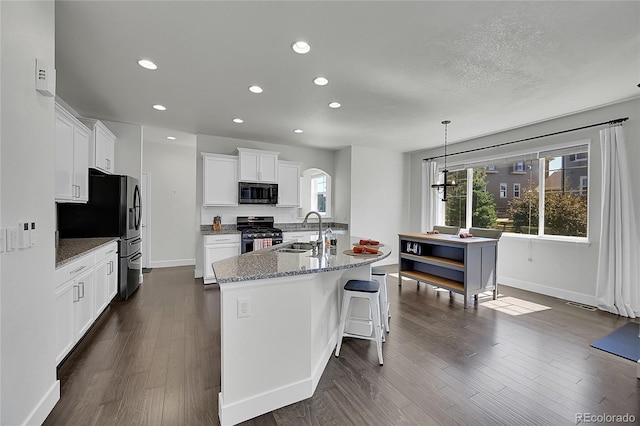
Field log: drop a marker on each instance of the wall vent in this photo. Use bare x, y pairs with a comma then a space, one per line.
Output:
582, 306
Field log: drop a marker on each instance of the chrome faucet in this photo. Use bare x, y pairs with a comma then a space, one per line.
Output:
304, 223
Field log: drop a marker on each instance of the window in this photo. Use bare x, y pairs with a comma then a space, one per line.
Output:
319, 193
559, 209
518, 167
315, 192
584, 185
456, 205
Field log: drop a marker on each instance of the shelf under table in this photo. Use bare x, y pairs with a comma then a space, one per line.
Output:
435, 280
434, 260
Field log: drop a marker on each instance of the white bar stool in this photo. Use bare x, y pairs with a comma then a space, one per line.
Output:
379, 273
362, 289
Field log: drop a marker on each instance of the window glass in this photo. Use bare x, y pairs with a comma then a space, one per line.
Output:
516, 190
565, 195
484, 213
456, 204
319, 193
503, 190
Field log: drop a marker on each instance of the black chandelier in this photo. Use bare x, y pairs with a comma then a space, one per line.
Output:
441, 188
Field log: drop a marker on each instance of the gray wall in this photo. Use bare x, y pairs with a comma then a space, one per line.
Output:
558, 268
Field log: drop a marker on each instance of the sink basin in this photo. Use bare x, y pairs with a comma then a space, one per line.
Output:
296, 248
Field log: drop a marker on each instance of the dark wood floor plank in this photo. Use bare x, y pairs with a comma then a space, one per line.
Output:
155, 359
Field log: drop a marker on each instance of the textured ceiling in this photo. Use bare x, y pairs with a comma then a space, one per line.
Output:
398, 68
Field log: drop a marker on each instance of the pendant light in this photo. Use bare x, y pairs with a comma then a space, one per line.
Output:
441, 188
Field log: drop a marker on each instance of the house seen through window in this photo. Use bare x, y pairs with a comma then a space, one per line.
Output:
559, 177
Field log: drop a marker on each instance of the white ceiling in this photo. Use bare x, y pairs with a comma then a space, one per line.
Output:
398, 68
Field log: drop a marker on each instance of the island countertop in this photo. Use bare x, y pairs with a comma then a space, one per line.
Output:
269, 263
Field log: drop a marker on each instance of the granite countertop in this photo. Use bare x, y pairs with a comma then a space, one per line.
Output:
70, 249
286, 227
268, 263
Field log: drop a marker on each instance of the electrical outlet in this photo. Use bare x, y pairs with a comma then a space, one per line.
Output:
244, 308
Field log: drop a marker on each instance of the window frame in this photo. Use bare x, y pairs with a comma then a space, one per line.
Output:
516, 191
504, 187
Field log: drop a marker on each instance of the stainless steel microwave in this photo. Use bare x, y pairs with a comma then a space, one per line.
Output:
257, 193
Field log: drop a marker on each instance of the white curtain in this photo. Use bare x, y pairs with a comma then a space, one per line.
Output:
430, 208
618, 283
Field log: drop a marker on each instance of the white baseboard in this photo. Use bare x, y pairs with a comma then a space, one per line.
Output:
198, 273
44, 407
254, 406
171, 263
548, 291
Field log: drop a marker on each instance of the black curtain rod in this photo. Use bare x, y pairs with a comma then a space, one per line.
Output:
616, 121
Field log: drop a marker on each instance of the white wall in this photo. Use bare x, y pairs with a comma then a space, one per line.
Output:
342, 185
561, 269
377, 195
172, 193
28, 385
128, 150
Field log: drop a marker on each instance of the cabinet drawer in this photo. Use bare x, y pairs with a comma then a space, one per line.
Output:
222, 239
74, 269
104, 252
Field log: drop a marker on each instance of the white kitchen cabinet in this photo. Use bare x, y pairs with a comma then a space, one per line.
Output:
105, 271
218, 247
84, 304
84, 288
112, 282
65, 319
72, 158
300, 236
102, 146
258, 166
288, 184
220, 180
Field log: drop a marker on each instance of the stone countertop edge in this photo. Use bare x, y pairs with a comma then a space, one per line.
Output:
70, 249
301, 272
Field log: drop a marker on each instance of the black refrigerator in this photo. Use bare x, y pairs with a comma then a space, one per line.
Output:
114, 210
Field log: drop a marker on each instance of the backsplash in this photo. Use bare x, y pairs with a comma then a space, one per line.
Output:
228, 214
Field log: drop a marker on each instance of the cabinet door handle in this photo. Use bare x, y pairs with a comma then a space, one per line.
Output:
76, 292
108, 164
81, 296
110, 251
77, 270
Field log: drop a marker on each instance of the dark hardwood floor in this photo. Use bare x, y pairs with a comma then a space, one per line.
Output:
155, 360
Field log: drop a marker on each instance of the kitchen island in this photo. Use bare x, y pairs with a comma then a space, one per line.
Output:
279, 323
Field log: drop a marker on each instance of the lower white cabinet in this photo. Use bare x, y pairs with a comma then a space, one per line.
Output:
218, 247
84, 289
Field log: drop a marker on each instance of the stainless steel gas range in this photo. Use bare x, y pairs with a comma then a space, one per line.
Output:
257, 232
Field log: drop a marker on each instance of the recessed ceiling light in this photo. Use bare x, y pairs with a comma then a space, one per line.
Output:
298, 131
171, 138
320, 81
334, 104
145, 63
160, 107
301, 47
255, 89
238, 120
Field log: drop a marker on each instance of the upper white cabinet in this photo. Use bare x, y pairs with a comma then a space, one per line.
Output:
72, 158
102, 146
220, 180
258, 166
288, 184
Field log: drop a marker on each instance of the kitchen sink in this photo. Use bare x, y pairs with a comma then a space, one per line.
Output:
296, 248
291, 250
